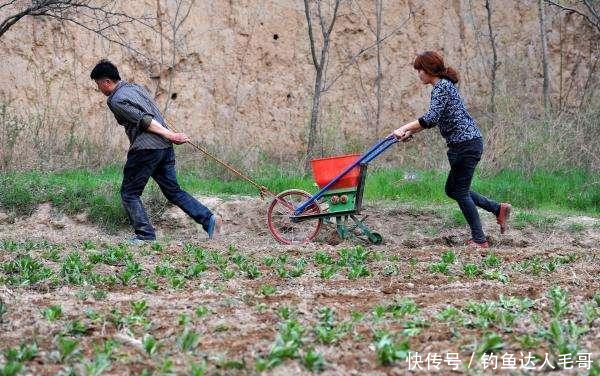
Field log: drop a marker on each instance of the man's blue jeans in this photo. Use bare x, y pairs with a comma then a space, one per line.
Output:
160, 165
463, 159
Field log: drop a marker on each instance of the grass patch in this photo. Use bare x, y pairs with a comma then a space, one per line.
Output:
97, 191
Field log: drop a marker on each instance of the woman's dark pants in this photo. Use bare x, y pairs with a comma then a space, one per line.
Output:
160, 165
463, 158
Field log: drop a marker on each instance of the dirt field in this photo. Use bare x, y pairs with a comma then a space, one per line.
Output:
243, 304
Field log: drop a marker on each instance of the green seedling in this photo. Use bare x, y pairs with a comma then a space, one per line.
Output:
559, 304
189, 340
322, 258
252, 271
491, 260
139, 307
403, 307
439, 267
21, 354
197, 369
98, 366
150, 345
267, 290
490, 343
76, 327
448, 257
268, 261
313, 361
11, 369
3, 310
387, 351
298, 268
201, 311
24, 270
53, 313
390, 270
496, 275
471, 270
67, 348
328, 271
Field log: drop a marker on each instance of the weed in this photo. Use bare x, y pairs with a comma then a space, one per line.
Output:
74, 270
284, 312
451, 315
576, 227
183, 319
139, 307
358, 270
88, 245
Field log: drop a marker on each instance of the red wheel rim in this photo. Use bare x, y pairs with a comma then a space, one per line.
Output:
280, 225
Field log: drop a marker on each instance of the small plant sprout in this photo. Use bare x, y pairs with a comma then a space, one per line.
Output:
52, 313
150, 344
67, 348
313, 361
201, 311
267, 290
189, 340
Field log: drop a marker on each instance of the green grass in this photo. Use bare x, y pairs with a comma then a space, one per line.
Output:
97, 191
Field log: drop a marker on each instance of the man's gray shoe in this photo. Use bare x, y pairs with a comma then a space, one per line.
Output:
214, 226
138, 241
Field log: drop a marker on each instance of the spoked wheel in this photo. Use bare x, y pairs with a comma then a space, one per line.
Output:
281, 226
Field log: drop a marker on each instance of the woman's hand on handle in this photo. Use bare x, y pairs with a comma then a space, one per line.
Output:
402, 134
405, 132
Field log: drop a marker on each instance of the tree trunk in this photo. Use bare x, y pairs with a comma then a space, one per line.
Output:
546, 85
314, 119
488, 7
378, 8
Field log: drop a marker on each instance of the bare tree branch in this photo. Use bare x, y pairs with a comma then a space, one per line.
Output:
97, 16
593, 20
363, 50
310, 33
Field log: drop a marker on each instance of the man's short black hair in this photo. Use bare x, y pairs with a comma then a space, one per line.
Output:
105, 69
